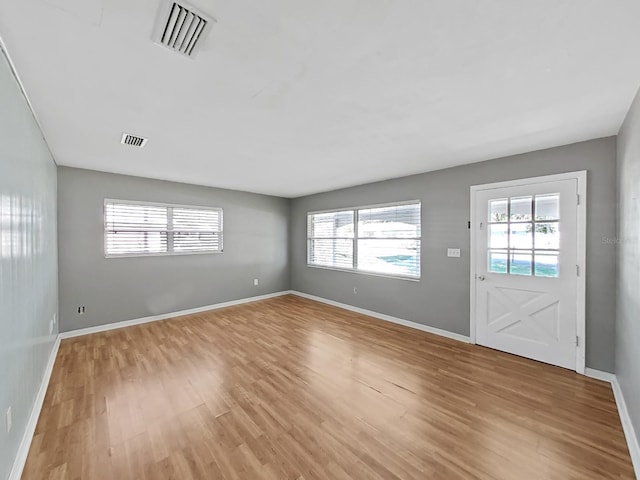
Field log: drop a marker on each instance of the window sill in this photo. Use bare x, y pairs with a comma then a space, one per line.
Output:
364, 272
162, 254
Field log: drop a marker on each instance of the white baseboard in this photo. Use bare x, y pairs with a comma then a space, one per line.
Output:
625, 419
25, 444
388, 318
164, 316
629, 431
632, 440
600, 375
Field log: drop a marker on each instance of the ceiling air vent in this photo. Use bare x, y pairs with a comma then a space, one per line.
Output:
181, 27
134, 141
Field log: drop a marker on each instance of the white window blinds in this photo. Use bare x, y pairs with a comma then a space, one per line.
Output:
382, 239
331, 239
134, 228
389, 240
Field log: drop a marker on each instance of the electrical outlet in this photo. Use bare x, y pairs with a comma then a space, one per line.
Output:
453, 252
81, 310
9, 418
256, 282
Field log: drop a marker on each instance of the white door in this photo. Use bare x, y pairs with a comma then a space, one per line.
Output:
526, 267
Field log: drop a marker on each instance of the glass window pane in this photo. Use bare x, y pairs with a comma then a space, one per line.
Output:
548, 207
331, 224
548, 236
129, 243
389, 256
498, 237
398, 221
196, 241
520, 263
521, 236
521, 209
331, 252
497, 261
122, 217
547, 265
498, 210
191, 219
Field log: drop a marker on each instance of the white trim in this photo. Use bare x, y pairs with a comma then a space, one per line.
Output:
364, 272
164, 316
29, 431
581, 253
625, 419
364, 207
388, 318
529, 180
164, 254
600, 375
27, 438
627, 426
120, 201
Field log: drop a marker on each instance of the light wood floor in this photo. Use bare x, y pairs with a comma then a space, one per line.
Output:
288, 388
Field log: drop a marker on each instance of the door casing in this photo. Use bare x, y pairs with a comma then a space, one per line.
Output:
581, 177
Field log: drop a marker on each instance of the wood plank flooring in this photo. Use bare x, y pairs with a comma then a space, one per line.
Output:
289, 388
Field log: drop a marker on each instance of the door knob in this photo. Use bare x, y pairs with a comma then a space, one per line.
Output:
480, 277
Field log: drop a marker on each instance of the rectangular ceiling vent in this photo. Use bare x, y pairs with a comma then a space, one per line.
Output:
181, 28
133, 140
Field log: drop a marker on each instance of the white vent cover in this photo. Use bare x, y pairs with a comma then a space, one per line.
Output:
133, 140
181, 28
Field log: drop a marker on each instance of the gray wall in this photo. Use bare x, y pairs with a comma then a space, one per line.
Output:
441, 298
28, 261
115, 289
628, 318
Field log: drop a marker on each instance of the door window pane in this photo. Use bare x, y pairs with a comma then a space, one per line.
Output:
521, 209
498, 237
498, 210
524, 235
520, 263
548, 207
547, 265
521, 236
548, 236
498, 261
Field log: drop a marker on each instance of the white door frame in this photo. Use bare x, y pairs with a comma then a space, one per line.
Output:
581, 178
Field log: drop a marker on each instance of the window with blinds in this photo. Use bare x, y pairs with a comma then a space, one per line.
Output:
136, 228
380, 239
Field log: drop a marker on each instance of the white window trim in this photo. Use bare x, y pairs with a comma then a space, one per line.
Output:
355, 268
159, 204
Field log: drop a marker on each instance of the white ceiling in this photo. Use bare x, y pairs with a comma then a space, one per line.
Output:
292, 97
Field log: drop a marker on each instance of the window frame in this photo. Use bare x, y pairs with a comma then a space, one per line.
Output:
171, 206
354, 268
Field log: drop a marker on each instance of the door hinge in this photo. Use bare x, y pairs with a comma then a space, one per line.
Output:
578, 198
578, 270
577, 341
